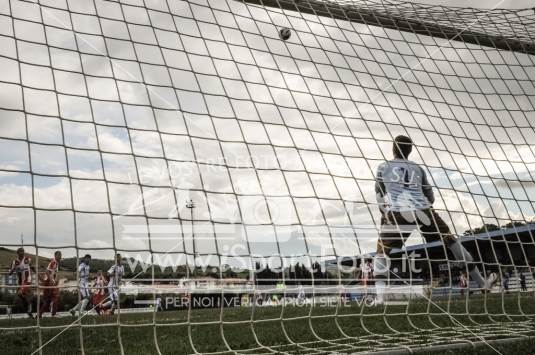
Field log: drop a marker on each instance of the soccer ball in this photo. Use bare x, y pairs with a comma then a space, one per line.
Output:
285, 33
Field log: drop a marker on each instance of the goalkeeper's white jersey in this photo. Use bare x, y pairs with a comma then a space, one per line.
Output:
402, 186
116, 273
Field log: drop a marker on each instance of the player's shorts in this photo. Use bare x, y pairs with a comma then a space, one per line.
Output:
113, 293
396, 227
84, 291
25, 289
98, 299
50, 289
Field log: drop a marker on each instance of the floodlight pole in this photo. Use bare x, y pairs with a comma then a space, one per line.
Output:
374, 17
190, 204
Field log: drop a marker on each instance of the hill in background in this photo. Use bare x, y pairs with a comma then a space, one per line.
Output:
8, 255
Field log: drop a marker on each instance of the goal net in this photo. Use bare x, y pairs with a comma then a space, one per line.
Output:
232, 152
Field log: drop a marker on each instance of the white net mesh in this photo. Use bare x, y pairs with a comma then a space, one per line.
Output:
234, 170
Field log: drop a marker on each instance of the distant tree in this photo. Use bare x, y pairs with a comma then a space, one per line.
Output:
489, 227
514, 224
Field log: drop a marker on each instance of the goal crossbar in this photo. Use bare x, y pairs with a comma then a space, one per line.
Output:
374, 17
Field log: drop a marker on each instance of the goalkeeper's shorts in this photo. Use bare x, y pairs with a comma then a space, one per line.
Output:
396, 227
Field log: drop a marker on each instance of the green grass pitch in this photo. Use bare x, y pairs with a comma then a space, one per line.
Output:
294, 329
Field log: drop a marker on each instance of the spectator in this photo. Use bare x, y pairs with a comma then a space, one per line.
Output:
366, 272
442, 281
506, 278
301, 295
463, 282
523, 282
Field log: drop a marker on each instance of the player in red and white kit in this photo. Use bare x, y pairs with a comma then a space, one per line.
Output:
22, 267
99, 291
50, 300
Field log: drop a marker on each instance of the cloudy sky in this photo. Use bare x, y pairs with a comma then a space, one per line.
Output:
114, 115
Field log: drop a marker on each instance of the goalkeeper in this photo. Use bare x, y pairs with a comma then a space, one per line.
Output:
405, 199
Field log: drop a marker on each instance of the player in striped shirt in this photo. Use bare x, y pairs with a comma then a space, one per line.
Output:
50, 301
406, 199
115, 273
83, 285
21, 266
